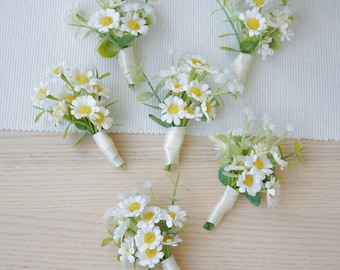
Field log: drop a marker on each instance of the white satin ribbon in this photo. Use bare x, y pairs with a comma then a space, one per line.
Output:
224, 205
240, 66
127, 63
172, 144
108, 148
170, 264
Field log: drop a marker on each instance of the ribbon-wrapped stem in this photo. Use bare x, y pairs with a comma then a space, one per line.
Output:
127, 63
240, 66
172, 145
224, 205
108, 148
170, 264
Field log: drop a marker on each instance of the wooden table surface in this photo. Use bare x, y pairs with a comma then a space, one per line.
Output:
53, 196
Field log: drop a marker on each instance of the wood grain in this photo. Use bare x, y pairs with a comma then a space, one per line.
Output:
53, 196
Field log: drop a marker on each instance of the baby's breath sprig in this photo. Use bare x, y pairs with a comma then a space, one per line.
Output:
145, 232
248, 165
117, 24
81, 102
190, 90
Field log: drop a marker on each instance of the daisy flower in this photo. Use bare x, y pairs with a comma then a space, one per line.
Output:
100, 90
83, 79
208, 109
55, 72
247, 182
259, 165
277, 156
126, 251
171, 239
148, 238
172, 110
150, 216
273, 192
104, 20
123, 225
101, 118
58, 113
257, 3
41, 92
198, 90
175, 84
193, 113
84, 106
134, 24
196, 61
254, 21
236, 164
133, 206
150, 257
175, 216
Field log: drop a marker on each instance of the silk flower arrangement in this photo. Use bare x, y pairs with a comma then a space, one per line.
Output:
81, 102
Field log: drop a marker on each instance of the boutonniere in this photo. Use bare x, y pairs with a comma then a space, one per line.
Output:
188, 91
117, 24
81, 100
249, 163
259, 27
145, 232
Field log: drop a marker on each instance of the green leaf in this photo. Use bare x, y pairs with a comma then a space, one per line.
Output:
249, 44
139, 78
297, 145
107, 49
36, 119
105, 75
80, 138
228, 49
156, 107
224, 179
275, 44
144, 96
255, 200
126, 40
159, 121
225, 35
106, 241
88, 33
80, 126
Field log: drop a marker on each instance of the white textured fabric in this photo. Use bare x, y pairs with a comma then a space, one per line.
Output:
299, 85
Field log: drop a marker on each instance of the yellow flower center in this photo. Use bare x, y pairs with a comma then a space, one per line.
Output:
106, 20
240, 163
177, 85
196, 61
207, 104
196, 91
101, 118
248, 181
253, 23
259, 164
150, 253
258, 3
41, 94
172, 215
85, 109
82, 79
56, 70
173, 109
70, 97
133, 25
149, 238
98, 89
127, 250
169, 238
148, 216
134, 206
190, 110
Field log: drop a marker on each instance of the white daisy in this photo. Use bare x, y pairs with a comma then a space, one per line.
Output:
168, 73
171, 239
209, 109
150, 257
175, 216
264, 48
196, 61
198, 90
254, 21
257, 3
100, 90
193, 113
58, 113
150, 216
277, 156
273, 192
172, 110
134, 24
260, 148
101, 118
133, 206
83, 79
259, 165
247, 182
237, 164
175, 84
84, 106
123, 225
126, 251
148, 238
41, 93
104, 20
55, 72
